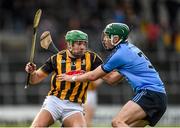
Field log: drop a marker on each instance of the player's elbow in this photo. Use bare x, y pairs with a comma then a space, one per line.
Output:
112, 81
32, 82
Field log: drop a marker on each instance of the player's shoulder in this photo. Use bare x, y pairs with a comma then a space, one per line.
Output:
94, 55
91, 52
125, 48
62, 52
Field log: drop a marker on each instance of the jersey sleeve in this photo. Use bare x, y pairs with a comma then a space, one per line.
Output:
48, 66
115, 60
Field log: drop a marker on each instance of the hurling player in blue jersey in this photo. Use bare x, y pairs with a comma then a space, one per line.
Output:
150, 101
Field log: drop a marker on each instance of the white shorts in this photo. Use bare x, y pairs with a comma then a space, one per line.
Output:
61, 109
91, 98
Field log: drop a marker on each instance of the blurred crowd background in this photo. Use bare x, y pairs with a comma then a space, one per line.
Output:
154, 24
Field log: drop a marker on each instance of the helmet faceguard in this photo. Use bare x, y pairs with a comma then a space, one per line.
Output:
75, 36
115, 30
106, 40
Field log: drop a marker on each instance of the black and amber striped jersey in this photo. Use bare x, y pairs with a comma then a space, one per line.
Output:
62, 63
92, 86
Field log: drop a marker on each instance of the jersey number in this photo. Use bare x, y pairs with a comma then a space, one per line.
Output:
141, 54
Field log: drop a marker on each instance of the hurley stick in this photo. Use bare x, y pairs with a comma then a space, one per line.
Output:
35, 26
47, 43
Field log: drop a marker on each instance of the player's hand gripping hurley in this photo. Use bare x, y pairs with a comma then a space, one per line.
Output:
35, 26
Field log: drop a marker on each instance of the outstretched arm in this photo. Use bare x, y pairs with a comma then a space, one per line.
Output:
89, 76
111, 78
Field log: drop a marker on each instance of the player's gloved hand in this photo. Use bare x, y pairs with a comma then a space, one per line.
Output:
30, 67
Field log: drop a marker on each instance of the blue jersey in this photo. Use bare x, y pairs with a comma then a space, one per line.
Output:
135, 67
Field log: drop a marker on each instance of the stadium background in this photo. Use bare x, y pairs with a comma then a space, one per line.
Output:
155, 28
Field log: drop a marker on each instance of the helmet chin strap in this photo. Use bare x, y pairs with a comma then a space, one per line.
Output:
112, 36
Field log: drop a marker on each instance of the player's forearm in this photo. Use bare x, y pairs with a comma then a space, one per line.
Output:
92, 75
86, 77
97, 82
34, 78
111, 81
89, 76
113, 78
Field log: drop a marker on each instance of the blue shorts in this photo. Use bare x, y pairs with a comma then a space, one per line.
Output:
153, 103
